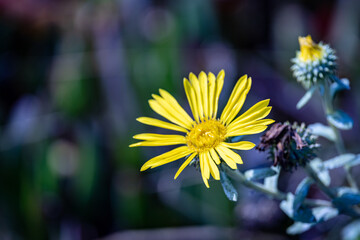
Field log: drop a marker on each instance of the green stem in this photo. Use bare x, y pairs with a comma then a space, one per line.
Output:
237, 175
329, 109
339, 143
318, 181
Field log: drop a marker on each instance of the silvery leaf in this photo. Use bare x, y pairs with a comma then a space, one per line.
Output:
228, 187
298, 227
271, 182
301, 192
340, 120
321, 171
304, 214
320, 213
351, 231
319, 129
259, 173
355, 161
339, 85
307, 96
347, 199
325, 213
287, 205
339, 161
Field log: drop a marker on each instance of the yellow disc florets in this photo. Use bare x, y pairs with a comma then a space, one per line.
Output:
206, 135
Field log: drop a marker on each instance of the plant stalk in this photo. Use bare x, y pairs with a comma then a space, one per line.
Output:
318, 181
339, 143
237, 175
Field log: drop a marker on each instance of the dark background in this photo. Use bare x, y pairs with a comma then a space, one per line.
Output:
74, 75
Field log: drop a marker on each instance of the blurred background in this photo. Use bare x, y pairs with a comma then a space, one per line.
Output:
75, 74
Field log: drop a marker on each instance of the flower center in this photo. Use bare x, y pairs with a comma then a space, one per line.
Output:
206, 135
310, 51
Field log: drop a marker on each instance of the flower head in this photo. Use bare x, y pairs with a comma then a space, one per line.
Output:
313, 63
204, 136
289, 145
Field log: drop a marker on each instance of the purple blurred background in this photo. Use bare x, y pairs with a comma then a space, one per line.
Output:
75, 75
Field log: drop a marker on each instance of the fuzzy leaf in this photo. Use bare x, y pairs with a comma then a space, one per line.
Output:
339, 85
287, 205
342, 190
298, 227
320, 213
319, 129
321, 171
324, 213
340, 120
304, 214
347, 199
259, 173
307, 96
271, 182
355, 161
228, 187
351, 231
339, 161
301, 192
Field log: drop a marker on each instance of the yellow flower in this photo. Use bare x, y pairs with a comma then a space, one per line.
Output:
204, 136
310, 51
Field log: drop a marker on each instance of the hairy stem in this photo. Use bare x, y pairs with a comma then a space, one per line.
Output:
237, 175
318, 181
339, 143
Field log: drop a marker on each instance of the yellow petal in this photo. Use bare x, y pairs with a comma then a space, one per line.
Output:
196, 86
228, 160
204, 93
243, 145
236, 100
190, 94
156, 107
247, 130
214, 170
211, 94
173, 111
167, 157
202, 168
215, 156
158, 123
263, 122
255, 112
157, 143
158, 137
219, 85
206, 167
187, 161
175, 105
233, 155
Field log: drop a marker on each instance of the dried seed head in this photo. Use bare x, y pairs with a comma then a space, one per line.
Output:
289, 145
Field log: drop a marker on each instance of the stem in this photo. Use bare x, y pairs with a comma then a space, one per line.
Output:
318, 181
237, 175
329, 109
339, 143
